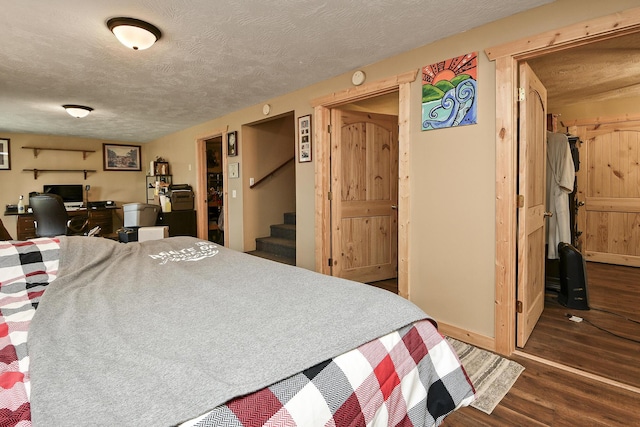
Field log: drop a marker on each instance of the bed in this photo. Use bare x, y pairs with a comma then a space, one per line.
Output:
184, 332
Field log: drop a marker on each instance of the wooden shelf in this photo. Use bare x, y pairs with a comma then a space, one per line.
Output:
38, 149
36, 172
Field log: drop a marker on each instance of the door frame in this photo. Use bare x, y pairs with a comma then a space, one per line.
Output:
507, 57
201, 192
400, 83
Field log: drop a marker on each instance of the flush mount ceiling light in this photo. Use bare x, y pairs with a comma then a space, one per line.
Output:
77, 111
134, 33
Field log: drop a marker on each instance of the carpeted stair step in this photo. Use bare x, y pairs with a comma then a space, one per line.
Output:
290, 218
277, 246
284, 231
273, 257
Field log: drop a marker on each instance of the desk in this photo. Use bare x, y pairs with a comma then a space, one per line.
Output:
26, 228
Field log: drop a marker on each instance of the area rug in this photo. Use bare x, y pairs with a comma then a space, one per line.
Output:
491, 375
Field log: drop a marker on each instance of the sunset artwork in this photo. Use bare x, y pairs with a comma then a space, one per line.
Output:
449, 92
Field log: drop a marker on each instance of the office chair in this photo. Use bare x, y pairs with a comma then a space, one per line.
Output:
52, 219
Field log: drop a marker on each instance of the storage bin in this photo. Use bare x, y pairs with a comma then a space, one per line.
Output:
140, 214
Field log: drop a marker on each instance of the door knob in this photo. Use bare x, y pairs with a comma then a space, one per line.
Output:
548, 214
394, 207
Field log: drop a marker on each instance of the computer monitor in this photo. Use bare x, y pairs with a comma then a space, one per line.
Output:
71, 194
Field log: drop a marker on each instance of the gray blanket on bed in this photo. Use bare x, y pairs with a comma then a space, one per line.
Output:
159, 332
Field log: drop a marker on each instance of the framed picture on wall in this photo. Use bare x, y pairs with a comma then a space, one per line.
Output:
232, 144
119, 157
5, 154
304, 139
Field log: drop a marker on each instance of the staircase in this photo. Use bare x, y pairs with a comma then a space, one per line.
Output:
280, 246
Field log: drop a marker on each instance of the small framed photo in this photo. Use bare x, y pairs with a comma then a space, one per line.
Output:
161, 168
119, 157
5, 154
232, 143
304, 139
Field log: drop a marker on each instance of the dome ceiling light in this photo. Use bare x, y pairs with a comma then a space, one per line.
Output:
77, 111
134, 33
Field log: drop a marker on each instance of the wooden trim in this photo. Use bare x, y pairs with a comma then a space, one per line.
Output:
573, 35
404, 186
595, 130
322, 149
610, 258
612, 204
620, 119
506, 57
322, 186
200, 193
469, 337
370, 90
506, 194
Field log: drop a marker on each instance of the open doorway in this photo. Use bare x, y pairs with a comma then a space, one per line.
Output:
210, 195
322, 153
508, 58
603, 213
269, 188
215, 190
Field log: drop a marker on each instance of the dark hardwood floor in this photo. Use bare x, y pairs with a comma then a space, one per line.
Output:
605, 343
544, 395
390, 285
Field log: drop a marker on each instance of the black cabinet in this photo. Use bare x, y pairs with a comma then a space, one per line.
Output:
181, 223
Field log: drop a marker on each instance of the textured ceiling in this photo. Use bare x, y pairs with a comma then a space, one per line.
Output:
215, 57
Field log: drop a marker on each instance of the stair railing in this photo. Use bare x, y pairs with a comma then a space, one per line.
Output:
272, 172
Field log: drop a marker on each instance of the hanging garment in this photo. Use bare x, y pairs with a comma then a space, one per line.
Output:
560, 179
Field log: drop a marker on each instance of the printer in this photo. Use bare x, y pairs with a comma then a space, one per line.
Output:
181, 196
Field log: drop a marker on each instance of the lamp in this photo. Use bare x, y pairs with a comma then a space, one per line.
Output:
134, 33
77, 111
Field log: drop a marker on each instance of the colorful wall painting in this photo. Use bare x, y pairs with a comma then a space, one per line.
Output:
449, 92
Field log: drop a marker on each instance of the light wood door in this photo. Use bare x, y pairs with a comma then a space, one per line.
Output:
531, 205
364, 187
609, 187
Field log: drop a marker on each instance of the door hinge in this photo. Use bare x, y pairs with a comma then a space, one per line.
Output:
519, 307
329, 195
521, 94
520, 201
330, 262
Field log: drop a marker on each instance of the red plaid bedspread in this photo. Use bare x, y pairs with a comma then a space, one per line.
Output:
410, 377
26, 268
